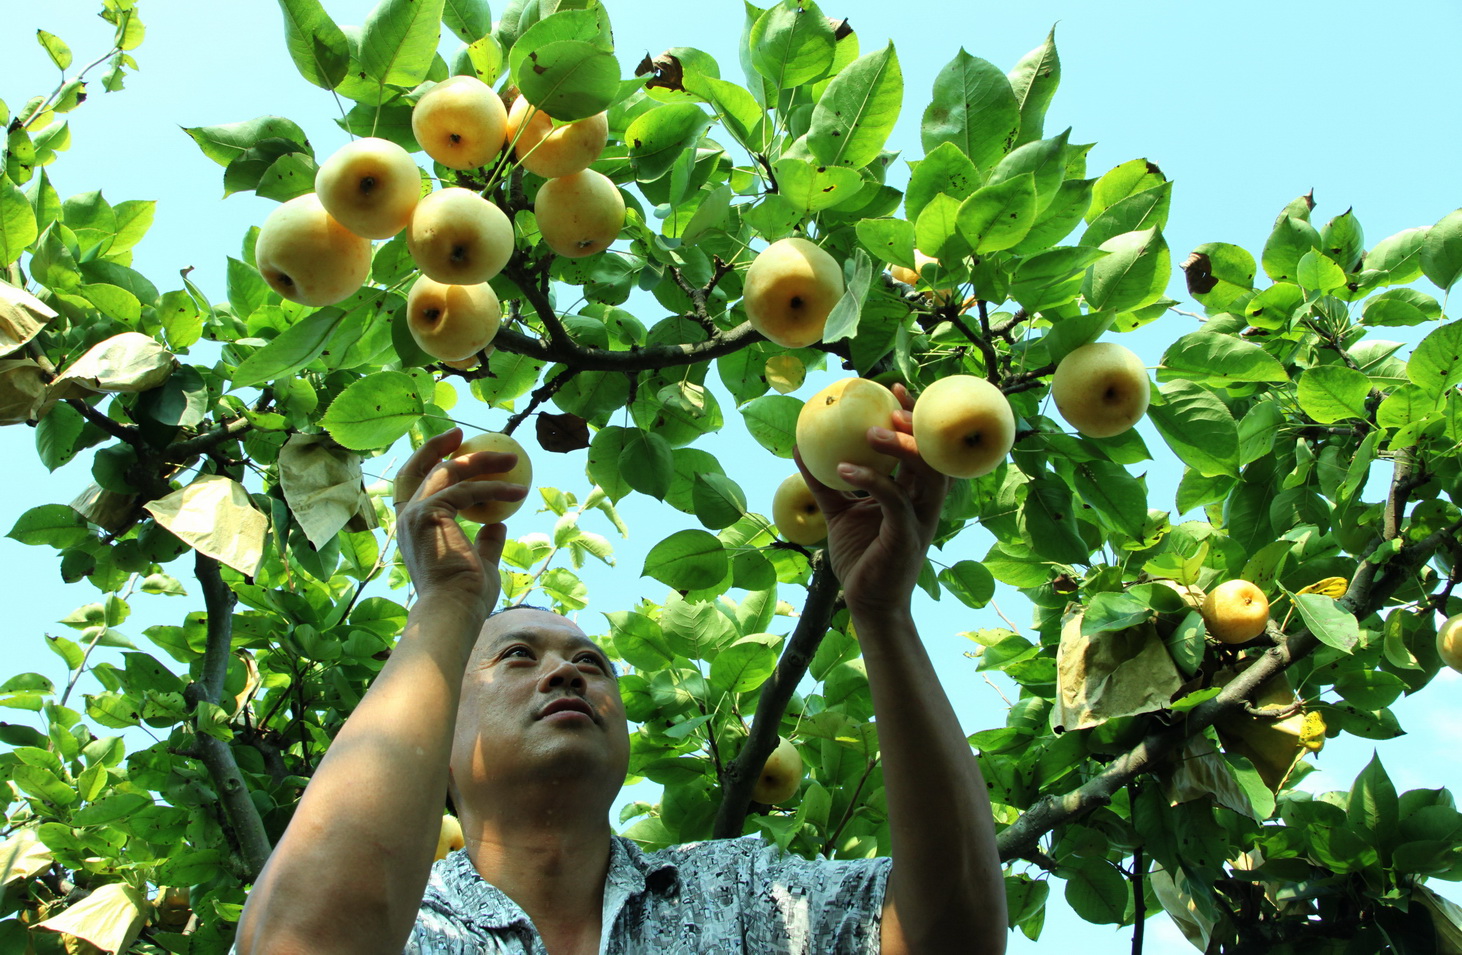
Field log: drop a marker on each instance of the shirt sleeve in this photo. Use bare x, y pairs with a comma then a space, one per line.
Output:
815, 905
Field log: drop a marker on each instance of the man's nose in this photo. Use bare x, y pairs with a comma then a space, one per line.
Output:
565, 674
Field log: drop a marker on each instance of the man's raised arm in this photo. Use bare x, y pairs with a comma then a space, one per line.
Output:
349, 873
946, 892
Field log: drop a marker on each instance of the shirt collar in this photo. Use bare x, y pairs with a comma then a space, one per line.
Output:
631, 873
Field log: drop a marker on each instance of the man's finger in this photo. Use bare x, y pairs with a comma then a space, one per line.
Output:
411, 475
490, 541
465, 494
829, 500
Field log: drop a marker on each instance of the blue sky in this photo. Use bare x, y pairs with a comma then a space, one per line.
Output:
1244, 105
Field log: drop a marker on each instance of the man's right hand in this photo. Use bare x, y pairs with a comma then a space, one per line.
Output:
430, 489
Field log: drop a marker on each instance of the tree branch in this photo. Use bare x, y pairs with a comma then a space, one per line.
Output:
214, 753
207, 441
635, 359
741, 774
116, 429
1367, 592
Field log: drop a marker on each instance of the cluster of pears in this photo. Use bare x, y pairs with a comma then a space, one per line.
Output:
316, 249
963, 425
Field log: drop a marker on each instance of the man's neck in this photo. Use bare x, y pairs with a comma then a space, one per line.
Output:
553, 865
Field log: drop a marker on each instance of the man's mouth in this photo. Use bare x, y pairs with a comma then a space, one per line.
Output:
568, 704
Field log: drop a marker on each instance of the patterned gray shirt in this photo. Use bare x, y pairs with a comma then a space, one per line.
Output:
738, 896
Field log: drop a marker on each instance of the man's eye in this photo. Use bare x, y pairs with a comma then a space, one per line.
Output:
517, 651
592, 660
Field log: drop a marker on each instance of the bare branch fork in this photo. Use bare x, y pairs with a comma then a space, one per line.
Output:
741, 774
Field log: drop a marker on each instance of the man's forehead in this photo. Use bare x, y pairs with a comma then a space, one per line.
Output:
533, 626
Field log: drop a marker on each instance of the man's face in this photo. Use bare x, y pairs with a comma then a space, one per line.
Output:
539, 701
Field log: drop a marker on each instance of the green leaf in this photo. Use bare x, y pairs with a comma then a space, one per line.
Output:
1108, 612
603, 462
1218, 359
937, 232
1114, 493
1096, 891
891, 240
842, 321
316, 45
811, 187
1133, 274
589, 26
719, 501
1286, 245
1436, 364
745, 664
1049, 516
570, 79
1370, 689
974, 108
1330, 625
110, 808
1052, 278
792, 43
1373, 810
998, 216
1441, 251
1198, 427
1143, 210
857, 112
687, 560
741, 114
224, 144
1316, 272
640, 641
1130, 178
55, 48
60, 435
399, 40
1330, 393
1044, 160
970, 583
772, 421
17, 222
1219, 273
471, 20
645, 462
1399, 256
1033, 81
294, 348
374, 411
1185, 643
53, 524
944, 170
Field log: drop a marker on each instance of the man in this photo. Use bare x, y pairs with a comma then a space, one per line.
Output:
520, 716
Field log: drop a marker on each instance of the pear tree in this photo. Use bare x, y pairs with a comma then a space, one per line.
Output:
626, 233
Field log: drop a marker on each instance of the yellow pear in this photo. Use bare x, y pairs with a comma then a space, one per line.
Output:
796, 514
552, 152
963, 426
370, 186
832, 428
1449, 642
519, 473
579, 214
459, 238
308, 257
1101, 389
790, 290
460, 122
452, 322
781, 776
450, 839
1236, 611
